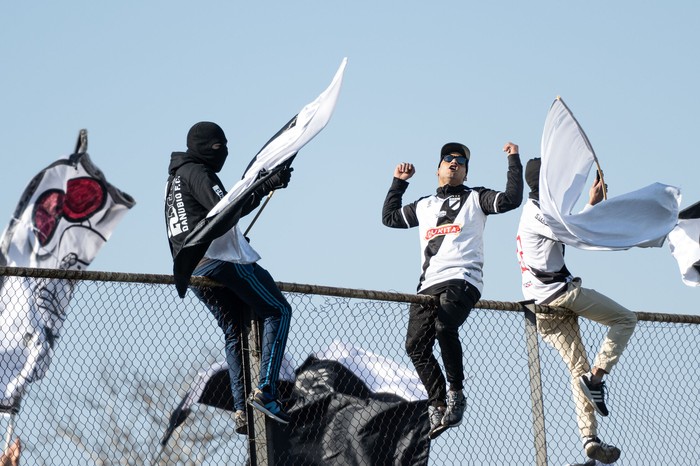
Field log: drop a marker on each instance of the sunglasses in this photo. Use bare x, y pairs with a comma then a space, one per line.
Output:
462, 160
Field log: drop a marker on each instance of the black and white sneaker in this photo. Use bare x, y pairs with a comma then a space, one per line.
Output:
455, 409
435, 415
595, 394
268, 405
600, 451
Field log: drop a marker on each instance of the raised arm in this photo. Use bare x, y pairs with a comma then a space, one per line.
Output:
498, 202
394, 214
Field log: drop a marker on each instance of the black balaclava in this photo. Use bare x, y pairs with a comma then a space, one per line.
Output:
532, 177
200, 139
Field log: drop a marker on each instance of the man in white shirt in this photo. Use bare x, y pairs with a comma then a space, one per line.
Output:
546, 280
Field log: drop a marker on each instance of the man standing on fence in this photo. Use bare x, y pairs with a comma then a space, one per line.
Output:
193, 190
451, 225
546, 280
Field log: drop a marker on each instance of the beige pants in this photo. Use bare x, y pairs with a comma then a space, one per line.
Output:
564, 335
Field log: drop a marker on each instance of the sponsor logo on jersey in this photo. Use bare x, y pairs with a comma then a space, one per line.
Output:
442, 230
218, 191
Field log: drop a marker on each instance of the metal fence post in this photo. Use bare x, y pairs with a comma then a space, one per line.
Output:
533, 358
260, 433
246, 336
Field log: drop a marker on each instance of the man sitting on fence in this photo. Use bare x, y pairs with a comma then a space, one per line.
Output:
193, 190
451, 225
546, 280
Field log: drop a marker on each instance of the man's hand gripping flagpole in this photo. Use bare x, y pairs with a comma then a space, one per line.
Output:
288, 164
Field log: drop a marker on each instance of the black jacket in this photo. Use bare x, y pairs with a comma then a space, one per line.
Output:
193, 189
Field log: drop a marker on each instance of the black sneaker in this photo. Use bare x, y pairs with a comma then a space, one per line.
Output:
455, 409
268, 405
600, 451
595, 394
435, 415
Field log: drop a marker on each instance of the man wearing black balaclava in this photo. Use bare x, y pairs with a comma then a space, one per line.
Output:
546, 280
193, 190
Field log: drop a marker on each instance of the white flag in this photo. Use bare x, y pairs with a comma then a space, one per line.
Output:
641, 218
382, 375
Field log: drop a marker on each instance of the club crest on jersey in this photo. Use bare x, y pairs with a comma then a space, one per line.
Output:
442, 230
455, 202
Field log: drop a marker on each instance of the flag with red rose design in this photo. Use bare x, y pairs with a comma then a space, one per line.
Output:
65, 215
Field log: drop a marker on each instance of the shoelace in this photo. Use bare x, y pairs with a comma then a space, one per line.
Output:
603, 391
454, 401
598, 388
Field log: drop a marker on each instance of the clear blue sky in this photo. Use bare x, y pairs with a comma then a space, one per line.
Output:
137, 75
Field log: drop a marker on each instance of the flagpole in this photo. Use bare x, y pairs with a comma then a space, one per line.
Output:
600, 175
588, 144
252, 222
9, 433
82, 143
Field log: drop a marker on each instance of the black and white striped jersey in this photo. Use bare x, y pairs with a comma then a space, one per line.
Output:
451, 225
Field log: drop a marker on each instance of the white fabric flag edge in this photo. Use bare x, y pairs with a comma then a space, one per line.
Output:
643, 218
684, 246
311, 119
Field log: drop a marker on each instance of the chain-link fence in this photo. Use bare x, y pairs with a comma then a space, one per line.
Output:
129, 352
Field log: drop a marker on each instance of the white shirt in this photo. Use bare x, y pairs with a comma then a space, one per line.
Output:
541, 256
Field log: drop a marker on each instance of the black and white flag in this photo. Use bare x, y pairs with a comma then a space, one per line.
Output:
347, 406
212, 387
274, 156
65, 215
684, 241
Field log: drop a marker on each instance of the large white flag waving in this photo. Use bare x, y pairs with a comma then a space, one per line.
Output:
65, 215
275, 155
641, 218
